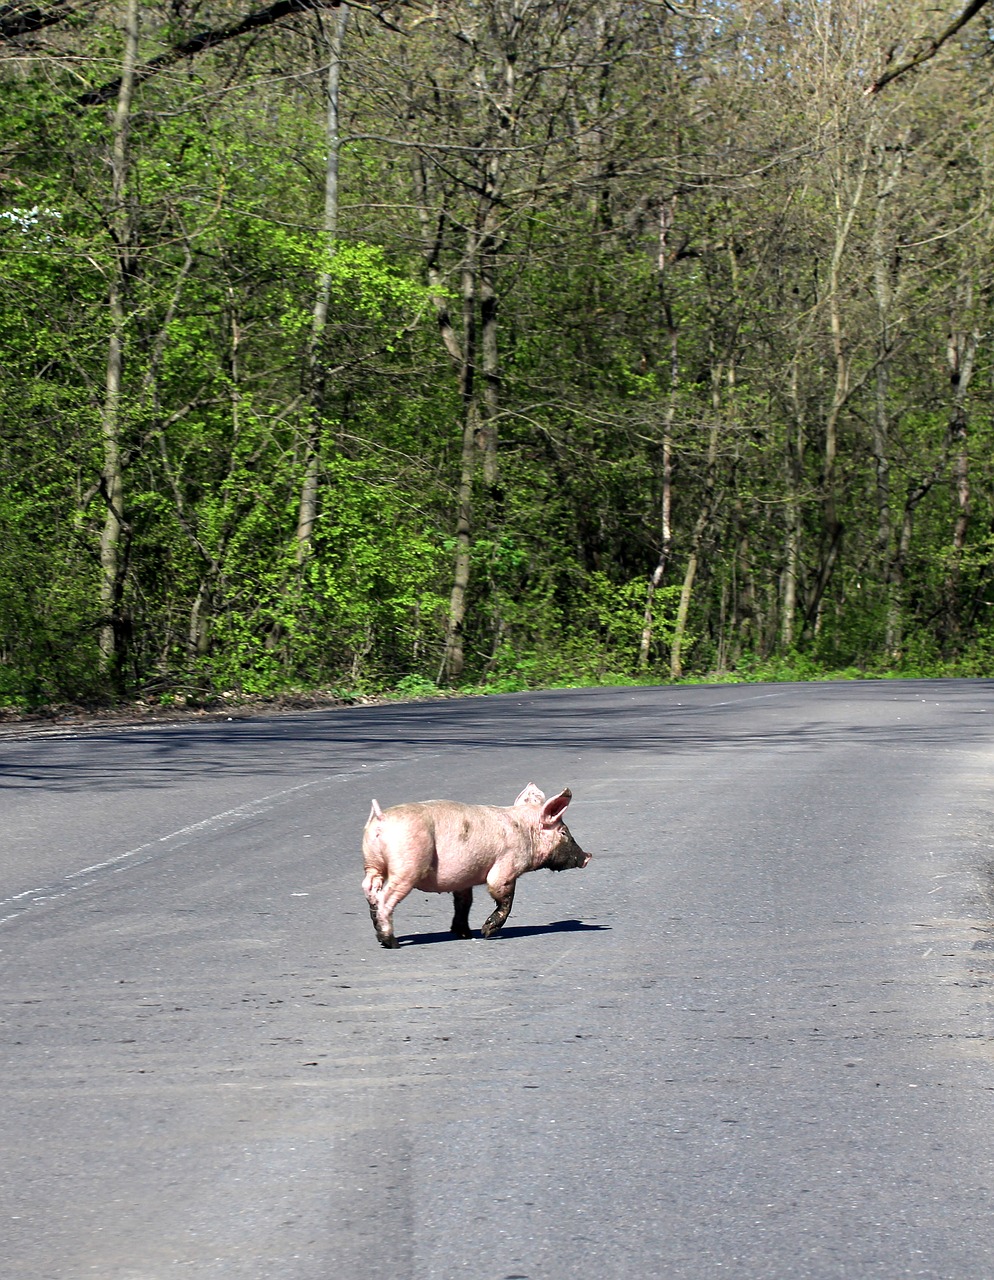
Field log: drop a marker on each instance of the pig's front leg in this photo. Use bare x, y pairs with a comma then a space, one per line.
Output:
463, 900
502, 893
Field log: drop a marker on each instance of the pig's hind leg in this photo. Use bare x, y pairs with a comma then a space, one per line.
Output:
463, 899
383, 898
503, 895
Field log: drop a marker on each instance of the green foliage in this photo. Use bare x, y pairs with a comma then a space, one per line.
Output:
414, 686
47, 622
711, 325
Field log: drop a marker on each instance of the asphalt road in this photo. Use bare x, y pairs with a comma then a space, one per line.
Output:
754, 1038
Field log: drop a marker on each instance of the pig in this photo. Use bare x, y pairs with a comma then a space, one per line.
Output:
442, 846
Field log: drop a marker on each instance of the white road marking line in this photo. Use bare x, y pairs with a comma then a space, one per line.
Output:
22, 902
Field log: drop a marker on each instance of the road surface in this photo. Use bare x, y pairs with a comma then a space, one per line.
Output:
754, 1038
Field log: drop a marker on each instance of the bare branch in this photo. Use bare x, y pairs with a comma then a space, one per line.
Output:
929, 49
206, 40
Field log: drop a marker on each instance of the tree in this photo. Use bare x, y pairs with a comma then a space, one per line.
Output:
315, 370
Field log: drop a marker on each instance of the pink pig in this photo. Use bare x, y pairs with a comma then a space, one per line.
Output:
441, 846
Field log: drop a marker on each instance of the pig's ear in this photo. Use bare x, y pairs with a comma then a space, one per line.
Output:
375, 812
552, 810
531, 795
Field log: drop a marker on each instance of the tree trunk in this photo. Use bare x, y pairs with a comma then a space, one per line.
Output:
831, 524
314, 375
463, 356
701, 524
683, 608
202, 610
665, 543
453, 655
794, 468
667, 211
961, 353
889, 161
489, 366
913, 498
112, 481
693, 560
746, 617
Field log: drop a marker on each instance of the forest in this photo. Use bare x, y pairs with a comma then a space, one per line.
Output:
492, 344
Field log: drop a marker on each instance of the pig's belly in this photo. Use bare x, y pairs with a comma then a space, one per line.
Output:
454, 876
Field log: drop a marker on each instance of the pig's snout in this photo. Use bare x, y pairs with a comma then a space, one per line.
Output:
568, 856
569, 861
